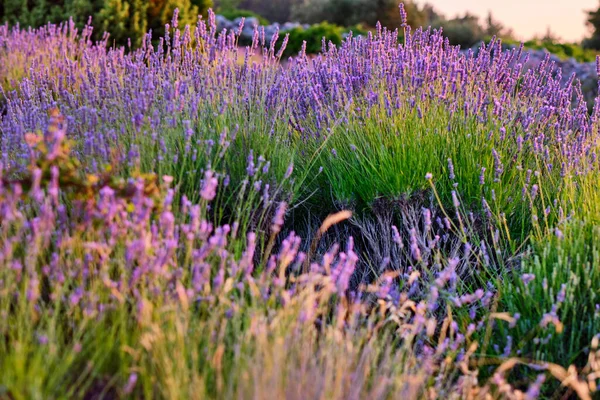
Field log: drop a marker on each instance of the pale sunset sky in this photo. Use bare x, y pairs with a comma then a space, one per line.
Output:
566, 18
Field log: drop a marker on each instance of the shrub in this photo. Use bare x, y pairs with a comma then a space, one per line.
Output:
36, 13
357, 30
564, 50
123, 19
272, 10
561, 50
313, 37
233, 13
464, 31
160, 13
368, 12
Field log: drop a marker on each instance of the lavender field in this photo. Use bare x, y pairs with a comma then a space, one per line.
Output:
393, 218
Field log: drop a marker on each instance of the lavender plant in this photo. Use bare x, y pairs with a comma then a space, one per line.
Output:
116, 295
151, 234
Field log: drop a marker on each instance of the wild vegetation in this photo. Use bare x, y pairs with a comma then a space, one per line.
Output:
389, 219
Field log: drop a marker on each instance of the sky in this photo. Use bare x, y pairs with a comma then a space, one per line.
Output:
566, 18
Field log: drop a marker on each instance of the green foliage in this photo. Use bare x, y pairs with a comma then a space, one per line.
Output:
564, 50
233, 13
561, 50
123, 19
464, 31
564, 261
160, 13
272, 10
593, 22
202, 5
339, 12
368, 12
467, 30
39, 12
365, 161
313, 37
221, 5
572, 288
358, 30
495, 28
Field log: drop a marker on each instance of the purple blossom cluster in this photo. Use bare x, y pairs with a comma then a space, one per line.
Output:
111, 97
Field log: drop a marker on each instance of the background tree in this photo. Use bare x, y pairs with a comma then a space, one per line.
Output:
273, 10
160, 13
493, 27
549, 36
40, 12
123, 19
593, 23
368, 12
464, 31
227, 4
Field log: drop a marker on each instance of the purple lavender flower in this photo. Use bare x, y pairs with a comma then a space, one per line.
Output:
403, 16
451, 175
128, 389
414, 245
526, 278
288, 172
455, 199
278, 218
209, 186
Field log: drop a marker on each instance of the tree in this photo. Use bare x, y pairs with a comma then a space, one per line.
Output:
368, 12
39, 12
493, 27
273, 10
549, 36
124, 19
593, 23
465, 31
227, 4
16, 11
160, 13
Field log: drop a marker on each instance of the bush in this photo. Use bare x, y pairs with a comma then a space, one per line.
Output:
160, 12
233, 13
564, 50
464, 31
273, 10
368, 12
36, 13
123, 19
357, 30
313, 37
339, 12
